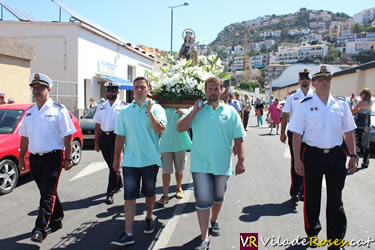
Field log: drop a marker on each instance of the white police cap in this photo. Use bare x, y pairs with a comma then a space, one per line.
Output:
41, 79
111, 84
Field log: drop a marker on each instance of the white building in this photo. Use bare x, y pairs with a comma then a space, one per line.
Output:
238, 63
365, 16
312, 51
267, 43
353, 48
238, 50
80, 58
311, 38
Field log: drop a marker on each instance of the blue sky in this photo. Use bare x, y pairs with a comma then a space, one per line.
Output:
148, 22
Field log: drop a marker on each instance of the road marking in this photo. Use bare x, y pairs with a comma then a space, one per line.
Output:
169, 227
324, 183
286, 153
91, 168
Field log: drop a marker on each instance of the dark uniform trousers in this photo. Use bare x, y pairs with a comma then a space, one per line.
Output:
332, 164
245, 118
46, 171
107, 146
296, 186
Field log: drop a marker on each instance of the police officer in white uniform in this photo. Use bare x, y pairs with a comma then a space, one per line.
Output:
321, 122
46, 131
304, 90
106, 118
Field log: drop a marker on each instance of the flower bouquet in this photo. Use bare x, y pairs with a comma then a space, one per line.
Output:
179, 83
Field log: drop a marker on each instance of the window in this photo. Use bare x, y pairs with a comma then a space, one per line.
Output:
131, 73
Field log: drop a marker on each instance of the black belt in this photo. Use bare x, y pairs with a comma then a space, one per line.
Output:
324, 150
108, 132
45, 154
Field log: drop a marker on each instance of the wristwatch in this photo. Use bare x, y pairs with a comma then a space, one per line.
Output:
68, 159
353, 155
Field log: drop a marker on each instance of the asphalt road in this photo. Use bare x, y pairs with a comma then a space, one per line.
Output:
255, 202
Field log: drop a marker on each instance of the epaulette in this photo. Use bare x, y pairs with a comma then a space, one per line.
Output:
32, 105
59, 104
306, 99
342, 98
292, 92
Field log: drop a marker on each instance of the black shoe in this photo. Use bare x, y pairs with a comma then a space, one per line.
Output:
124, 240
149, 226
215, 229
301, 197
364, 166
109, 200
53, 227
294, 198
205, 245
37, 236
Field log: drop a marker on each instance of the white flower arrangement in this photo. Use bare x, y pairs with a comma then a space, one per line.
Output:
178, 80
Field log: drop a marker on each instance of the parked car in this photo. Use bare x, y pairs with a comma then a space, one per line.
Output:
88, 127
11, 117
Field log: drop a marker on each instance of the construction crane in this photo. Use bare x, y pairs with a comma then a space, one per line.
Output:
246, 32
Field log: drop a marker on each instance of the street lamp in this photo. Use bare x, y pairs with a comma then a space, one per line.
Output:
172, 7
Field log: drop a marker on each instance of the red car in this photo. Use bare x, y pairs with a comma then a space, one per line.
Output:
11, 117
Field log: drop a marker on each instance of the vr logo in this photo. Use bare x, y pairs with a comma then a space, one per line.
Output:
248, 241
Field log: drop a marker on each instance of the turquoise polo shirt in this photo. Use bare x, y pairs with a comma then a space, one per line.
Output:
213, 133
141, 141
171, 140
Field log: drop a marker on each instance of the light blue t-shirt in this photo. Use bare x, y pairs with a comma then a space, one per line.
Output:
141, 141
213, 133
171, 140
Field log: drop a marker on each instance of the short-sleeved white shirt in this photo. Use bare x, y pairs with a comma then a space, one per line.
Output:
293, 100
106, 115
321, 125
47, 127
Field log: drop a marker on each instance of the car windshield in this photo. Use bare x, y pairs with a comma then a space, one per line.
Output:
9, 119
90, 114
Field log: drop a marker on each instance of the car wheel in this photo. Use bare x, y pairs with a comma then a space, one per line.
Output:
8, 176
76, 152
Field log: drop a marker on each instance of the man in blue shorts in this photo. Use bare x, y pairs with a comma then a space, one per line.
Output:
138, 128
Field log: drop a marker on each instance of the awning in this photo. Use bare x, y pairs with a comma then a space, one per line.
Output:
124, 84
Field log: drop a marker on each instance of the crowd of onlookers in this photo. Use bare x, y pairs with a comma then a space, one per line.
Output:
244, 105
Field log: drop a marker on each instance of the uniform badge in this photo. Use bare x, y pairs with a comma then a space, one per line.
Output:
295, 98
28, 114
36, 77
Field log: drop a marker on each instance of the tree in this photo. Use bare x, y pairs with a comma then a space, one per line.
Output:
222, 54
365, 56
264, 48
332, 55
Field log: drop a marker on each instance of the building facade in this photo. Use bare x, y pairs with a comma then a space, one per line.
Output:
80, 59
15, 60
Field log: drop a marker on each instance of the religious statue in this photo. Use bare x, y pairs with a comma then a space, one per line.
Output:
189, 48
